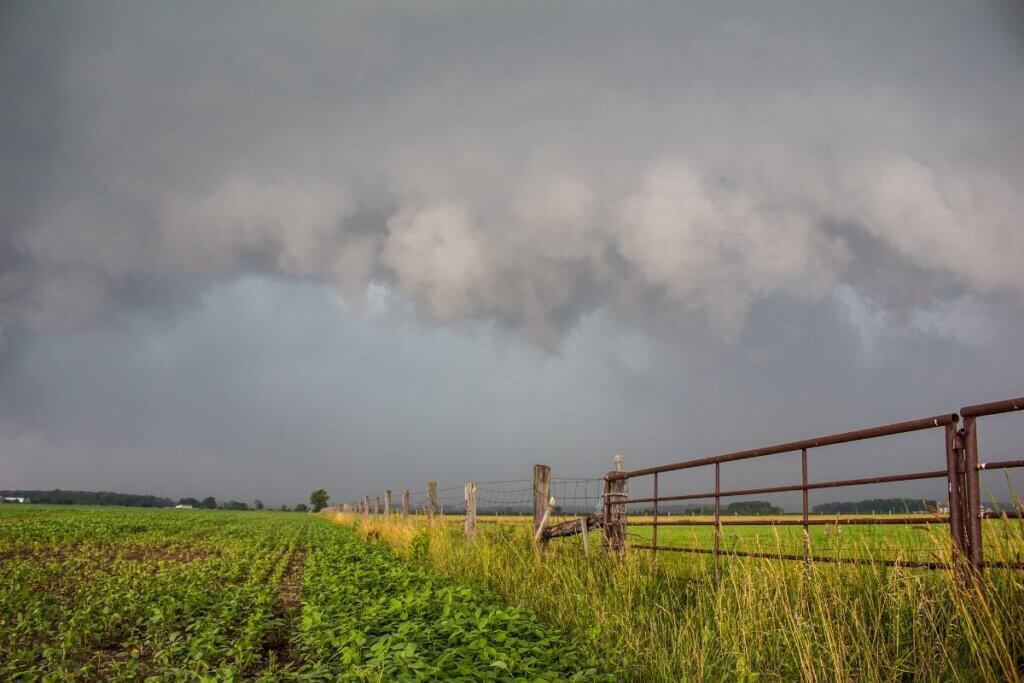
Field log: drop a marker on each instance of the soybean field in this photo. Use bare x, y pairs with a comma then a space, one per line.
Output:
132, 594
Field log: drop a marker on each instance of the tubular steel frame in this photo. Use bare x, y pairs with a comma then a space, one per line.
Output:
961, 472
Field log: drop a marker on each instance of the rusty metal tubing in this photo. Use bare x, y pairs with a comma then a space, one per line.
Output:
798, 522
1002, 515
718, 518
916, 564
1000, 464
994, 408
955, 489
804, 507
972, 520
830, 440
931, 474
1002, 565
655, 538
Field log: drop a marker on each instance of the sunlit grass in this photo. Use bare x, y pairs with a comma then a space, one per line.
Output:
670, 618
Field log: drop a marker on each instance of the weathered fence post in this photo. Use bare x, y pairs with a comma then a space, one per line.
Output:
387, 502
431, 500
366, 505
614, 537
541, 494
470, 510
376, 505
405, 503
538, 535
584, 531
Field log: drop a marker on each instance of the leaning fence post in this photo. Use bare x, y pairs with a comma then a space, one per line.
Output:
614, 537
584, 531
366, 505
538, 535
405, 503
431, 500
387, 502
541, 494
470, 510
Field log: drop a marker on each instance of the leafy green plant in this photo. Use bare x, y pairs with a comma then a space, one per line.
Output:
130, 594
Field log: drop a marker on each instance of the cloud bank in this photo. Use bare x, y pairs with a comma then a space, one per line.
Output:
670, 162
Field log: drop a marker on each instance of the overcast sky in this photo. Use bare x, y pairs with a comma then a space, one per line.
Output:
249, 249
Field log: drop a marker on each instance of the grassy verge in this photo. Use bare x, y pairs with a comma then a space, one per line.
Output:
670, 619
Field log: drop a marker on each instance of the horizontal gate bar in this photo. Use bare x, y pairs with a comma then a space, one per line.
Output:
994, 408
932, 474
793, 522
813, 558
845, 437
1000, 464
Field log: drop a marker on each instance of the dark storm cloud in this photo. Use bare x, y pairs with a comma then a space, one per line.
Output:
711, 179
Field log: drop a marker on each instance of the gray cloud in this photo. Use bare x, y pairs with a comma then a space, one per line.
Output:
675, 171
611, 159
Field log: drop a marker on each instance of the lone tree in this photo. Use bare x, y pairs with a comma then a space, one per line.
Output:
301, 507
257, 504
210, 503
318, 499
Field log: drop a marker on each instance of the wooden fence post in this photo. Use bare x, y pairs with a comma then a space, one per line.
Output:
387, 502
538, 535
584, 531
366, 505
405, 503
470, 510
614, 537
431, 500
376, 505
541, 494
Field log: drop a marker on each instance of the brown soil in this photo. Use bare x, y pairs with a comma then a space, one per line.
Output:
277, 645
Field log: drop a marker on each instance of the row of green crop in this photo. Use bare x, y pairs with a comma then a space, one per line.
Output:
368, 614
125, 594
121, 594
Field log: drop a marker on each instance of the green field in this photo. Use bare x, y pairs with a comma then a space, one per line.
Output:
134, 594
128, 594
909, 542
683, 617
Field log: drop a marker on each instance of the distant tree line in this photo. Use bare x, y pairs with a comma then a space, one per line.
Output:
876, 506
743, 507
59, 497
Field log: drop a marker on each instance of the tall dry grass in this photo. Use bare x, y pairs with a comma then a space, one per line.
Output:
670, 619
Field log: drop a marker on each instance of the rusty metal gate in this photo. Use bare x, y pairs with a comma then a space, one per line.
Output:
961, 470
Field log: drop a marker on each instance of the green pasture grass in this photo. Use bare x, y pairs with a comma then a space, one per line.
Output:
673, 617
918, 541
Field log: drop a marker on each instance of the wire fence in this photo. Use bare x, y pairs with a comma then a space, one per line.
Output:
563, 506
497, 500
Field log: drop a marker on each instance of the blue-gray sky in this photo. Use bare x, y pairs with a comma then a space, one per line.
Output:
247, 250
